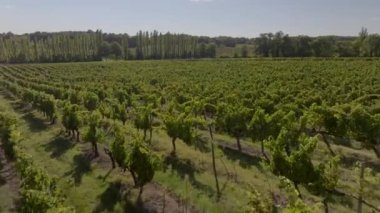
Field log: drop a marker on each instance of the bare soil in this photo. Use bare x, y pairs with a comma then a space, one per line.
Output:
9, 184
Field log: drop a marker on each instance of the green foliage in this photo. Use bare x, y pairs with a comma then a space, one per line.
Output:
233, 119
118, 147
370, 181
365, 127
327, 119
34, 178
105, 110
295, 204
71, 119
76, 97
259, 126
91, 101
180, 126
95, 46
294, 164
38, 201
258, 203
140, 161
94, 134
37, 189
276, 101
144, 118
328, 174
134, 156
9, 135
121, 112
324, 46
28, 96
45, 103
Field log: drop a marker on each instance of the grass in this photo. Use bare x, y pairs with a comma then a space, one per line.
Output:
83, 182
91, 186
201, 179
63, 159
8, 193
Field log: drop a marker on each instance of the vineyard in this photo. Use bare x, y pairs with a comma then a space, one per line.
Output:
228, 135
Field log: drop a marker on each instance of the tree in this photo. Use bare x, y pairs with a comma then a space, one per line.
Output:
91, 101
141, 163
211, 51
294, 164
360, 44
259, 127
365, 128
303, 46
93, 134
76, 97
121, 112
323, 46
50, 108
233, 119
116, 50
291, 155
263, 44
202, 51
134, 157
144, 119
118, 148
326, 122
71, 120
47, 105
346, 49
288, 46
124, 44
244, 51
370, 46
105, 49
179, 126
9, 135
276, 44
325, 185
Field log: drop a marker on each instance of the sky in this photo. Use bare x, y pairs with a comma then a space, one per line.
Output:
239, 18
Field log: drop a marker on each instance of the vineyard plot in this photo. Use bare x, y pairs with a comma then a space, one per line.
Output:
200, 135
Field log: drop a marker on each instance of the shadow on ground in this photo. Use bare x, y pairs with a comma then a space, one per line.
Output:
118, 195
81, 165
136, 206
2, 181
35, 124
246, 161
110, 197
186, 168
351, 160
58, 146
202, 144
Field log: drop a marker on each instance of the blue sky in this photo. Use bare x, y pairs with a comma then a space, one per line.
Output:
246, 18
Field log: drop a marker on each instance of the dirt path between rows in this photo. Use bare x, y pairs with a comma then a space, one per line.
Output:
9, 184
154, 197
157, 199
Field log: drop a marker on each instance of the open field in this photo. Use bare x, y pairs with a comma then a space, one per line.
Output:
317, 117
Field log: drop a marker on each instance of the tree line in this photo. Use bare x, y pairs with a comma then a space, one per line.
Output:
282, 45
53, 47
96, 45
162, 46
